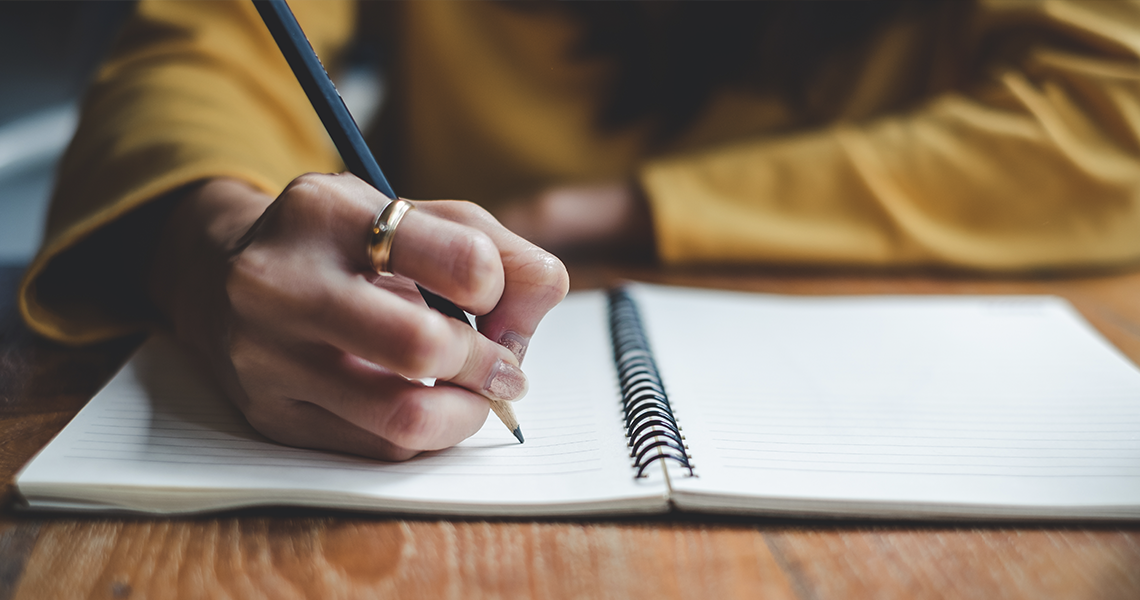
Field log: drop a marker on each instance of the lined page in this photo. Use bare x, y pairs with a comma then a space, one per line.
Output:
158, 437
898, 406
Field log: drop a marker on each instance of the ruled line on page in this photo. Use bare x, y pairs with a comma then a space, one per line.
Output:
1005, 474
922, 434
780, 403
936, 461
165, 440
909, 451
840, 410
477, 469
956, 446
265, 457
828, 414
561, 440
908, 444
438, 464
159, 447
150, 444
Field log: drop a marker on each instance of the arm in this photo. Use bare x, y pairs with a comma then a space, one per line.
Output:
276, 297
190, 146
1034, 164
191, 91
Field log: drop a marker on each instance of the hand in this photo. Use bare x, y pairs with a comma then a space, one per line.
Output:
610, 220
278, 299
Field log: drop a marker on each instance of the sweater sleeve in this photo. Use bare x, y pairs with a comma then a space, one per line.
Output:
191, 91
1035, 165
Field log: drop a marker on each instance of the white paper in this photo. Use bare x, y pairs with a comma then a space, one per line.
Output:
981, 406
159, 438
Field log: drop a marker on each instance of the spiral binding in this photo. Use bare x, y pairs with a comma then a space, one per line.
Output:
649, 422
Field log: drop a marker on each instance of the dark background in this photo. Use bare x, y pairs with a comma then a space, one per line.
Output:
48, 52
48, 49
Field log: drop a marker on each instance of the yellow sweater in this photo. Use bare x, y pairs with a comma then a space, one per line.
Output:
1033, 164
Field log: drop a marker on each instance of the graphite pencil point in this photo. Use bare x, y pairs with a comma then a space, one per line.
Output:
506, 414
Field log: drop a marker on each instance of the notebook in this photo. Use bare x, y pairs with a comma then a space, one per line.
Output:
648, 399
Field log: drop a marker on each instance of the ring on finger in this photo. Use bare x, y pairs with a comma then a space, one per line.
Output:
383, 230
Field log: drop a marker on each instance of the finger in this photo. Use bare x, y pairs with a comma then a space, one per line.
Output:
453, 259
536, 282
456, 261
534, 279
347, 311
413, 340
406, 415
306, 425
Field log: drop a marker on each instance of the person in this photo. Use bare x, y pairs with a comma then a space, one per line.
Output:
198, 194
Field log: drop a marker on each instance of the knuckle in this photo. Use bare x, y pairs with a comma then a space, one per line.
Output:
412, 423
305, 184
262, 420
241, 357
462, 211
305, 200
262, 286
466, 207
424, 347
243, 282
254, 373
475, 264
253, 286
264, 413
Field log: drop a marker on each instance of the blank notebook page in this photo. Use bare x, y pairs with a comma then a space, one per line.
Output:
159, 430
996, 406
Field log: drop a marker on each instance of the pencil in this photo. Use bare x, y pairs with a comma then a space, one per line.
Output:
345, 134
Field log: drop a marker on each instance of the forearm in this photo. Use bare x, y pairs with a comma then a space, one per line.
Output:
192, 91
1027, 159
937, 188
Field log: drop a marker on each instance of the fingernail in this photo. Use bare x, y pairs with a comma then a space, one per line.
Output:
515, 343
506, 382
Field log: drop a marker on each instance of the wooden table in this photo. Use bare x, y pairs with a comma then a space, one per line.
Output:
306, 554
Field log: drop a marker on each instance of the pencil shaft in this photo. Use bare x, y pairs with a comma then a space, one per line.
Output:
323, 95
345, 134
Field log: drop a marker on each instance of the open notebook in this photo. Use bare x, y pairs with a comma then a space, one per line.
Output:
900, 407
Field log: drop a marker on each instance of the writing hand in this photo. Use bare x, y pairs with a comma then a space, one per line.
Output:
314, 348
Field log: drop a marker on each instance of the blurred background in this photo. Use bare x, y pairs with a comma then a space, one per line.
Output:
49, 50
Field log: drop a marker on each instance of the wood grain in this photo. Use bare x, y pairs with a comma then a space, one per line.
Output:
282, 554
963, 563
353, 558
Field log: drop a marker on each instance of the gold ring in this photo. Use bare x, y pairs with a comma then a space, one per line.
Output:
383, 230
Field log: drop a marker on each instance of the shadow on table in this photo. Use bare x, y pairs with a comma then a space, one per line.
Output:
9, 281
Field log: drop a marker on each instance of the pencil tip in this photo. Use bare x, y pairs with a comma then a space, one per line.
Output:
518, 434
